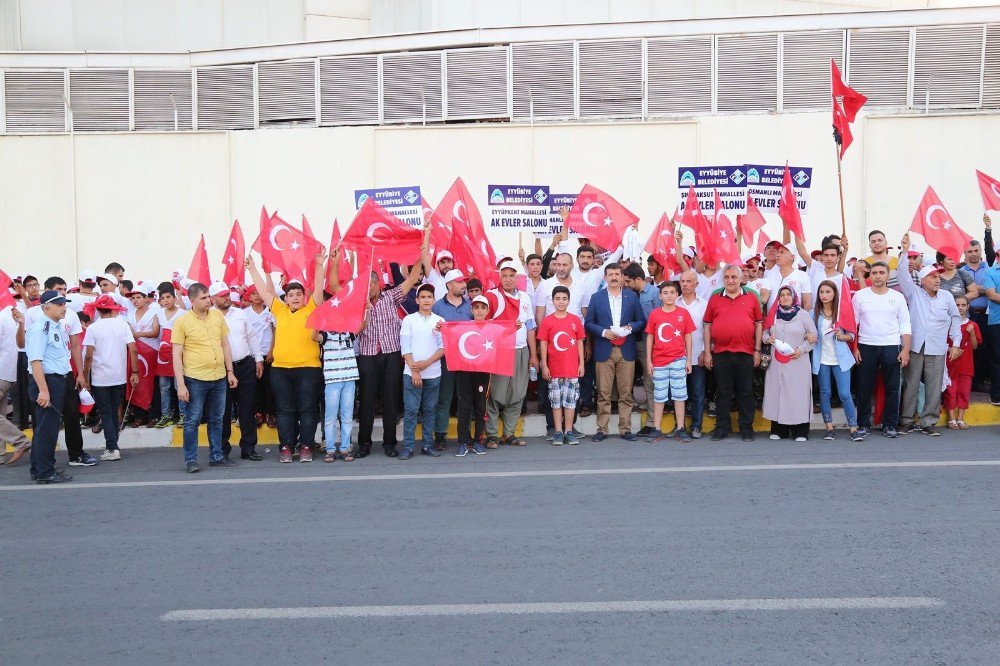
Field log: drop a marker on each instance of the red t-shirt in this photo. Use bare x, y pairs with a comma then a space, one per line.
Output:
732, 321
963, 364
562, 336
668, 330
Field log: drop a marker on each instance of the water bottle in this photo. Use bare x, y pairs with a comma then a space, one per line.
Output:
533, 374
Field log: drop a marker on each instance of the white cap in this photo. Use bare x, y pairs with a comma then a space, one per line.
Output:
87, 275
218, 289
481, 299
788, 247
186, 282
508, 264
928, 270
443, 254
454, 274
109, 277
689, 252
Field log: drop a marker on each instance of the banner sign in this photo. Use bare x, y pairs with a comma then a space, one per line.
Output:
762, 182
519, 208
403, 202
558, 203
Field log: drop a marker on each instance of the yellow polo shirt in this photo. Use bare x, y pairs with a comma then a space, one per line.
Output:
293, 343
202, 343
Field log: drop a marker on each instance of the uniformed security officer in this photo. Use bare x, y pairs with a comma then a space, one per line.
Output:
48, 358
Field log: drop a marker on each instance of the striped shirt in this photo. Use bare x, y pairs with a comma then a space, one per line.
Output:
381, 336
339, 363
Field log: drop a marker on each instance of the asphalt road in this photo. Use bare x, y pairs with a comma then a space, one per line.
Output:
99, 572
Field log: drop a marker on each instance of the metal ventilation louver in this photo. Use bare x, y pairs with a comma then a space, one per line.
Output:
991, 73
156, 93
747, 72
878, 65
806, 68
948, 63
349, 90
679, 75
287, 92
35, 100
611, 79
411, 86
543, 81
477, 83
99, 100
225, 97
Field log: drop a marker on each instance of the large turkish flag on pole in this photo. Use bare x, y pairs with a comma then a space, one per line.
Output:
390, 238
345, 311
235, 257
198, 271
704, 235
788, 207
598, 216
990, 189
725, 238
751, 222
480, 346
939, 229
661, 244
285, 248
458, 208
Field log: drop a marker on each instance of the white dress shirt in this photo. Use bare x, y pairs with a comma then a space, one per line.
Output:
419, 337
243, 340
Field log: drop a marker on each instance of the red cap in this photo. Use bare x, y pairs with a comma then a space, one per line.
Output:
105, 302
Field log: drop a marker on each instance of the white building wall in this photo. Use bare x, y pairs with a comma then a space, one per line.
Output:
142, 199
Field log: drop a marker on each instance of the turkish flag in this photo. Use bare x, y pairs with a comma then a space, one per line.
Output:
704, 235
938, 228
390, 238
6, 298
141, 395
598, 216
762, 241
990, 189
457, 205
852, 99
199, 265
165, 355
788, 206
284, 248
725, 237
480, 346
503, 306
468, 258
306, 229
662, 245
440, 226
751, 222
345, 312
842, 128
235, 257
845, 315
346, 271
265, 220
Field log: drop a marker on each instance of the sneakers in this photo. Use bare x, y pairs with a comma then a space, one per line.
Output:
862, 432
305, 454
829, 435
569, 437
695, 433
85, 460
406, 454
655, 437
480, 449
222, 462
907, 428
110, 454
890, 432
718, 435
163, 422
192, 467
857, 436
462, 450
599, 436
645, 431
712, 410
773, 436
556, 439
285, 455
57, 477
430, 451
800, 439
550, 433
682, 435
931, 430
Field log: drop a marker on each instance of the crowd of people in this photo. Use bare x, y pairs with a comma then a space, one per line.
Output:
593, 330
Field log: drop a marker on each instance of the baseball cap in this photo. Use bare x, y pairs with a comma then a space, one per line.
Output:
786, 246
110, 278
481, 299
186, 282
52, 297
928, 270
87, 276
218, 289
689, 252
444, 254
508, 264
454, 274
782, 351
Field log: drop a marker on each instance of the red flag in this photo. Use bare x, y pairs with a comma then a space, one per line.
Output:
288, 250
842, 128
389, 237
306, 229
6, 298
771, 315
751, 222
141, 395
598, 216
235, 257
480, 346
265, 220
845, 316
346, 271
440, 227
990, 189
458, 204
936, 225
199, 265
468, 258
788, 206
165, 355
661, 245
762, 241
345, 312
503, 306
704, 235
852, 99
725, 237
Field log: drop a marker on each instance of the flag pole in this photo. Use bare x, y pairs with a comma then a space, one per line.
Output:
840, 182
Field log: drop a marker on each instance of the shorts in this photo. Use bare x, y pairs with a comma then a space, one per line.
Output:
670, 381
564, 393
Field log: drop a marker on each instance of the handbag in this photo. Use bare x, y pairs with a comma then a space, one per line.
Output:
765, 356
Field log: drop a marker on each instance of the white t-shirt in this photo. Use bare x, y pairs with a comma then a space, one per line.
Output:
828, 355
8, 346
817, 273
110, 337
882, 318
697, 311
143, 325
75, 302
706, 285
418, 337
578, 297
440, 286
797, 280
589, 281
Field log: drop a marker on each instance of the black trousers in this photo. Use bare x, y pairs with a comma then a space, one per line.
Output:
47, 420
23, 408
471, 388
263, 400
873, 359
297, 392
243, 395
381, 377
983, 356
71, 419
733, 373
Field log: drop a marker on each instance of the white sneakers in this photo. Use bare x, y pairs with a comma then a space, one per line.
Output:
111, 455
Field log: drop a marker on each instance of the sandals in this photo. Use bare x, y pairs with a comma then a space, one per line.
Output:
347, 456
513, 441
962, 425
953, 425
330, 457
492, 442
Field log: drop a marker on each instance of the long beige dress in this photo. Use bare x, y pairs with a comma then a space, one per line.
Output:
788, 386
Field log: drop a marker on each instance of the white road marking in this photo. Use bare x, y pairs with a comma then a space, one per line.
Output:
714, 605
404, 476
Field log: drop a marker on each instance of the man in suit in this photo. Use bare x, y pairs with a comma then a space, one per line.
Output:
613, 317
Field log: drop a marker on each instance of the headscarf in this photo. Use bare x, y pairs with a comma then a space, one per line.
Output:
787, 314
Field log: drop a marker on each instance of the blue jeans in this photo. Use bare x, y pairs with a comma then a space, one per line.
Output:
422, 400
828, 373
109, 399
207, 398
166, 387
446, 390
696, 394
339, 406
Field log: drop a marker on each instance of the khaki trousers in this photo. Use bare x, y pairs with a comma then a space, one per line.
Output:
616, 371
9, 432
647, 378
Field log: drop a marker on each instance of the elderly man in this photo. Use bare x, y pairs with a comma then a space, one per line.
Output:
507, 393
248, 366
934, 320
613, 317
732, 328
453, 306
203, 367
